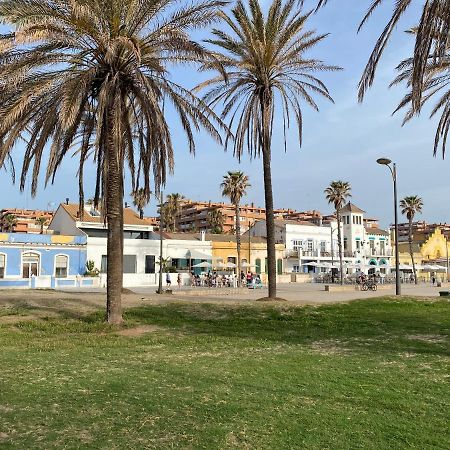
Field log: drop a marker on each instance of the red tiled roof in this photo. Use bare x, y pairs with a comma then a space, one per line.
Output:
130, 217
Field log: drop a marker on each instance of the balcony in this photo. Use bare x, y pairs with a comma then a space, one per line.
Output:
376, 252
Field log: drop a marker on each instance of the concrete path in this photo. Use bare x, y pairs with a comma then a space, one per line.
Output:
299, 293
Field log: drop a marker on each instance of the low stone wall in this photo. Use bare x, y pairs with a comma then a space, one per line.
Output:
354, 287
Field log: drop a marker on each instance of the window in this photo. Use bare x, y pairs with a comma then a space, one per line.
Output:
149, 263
297, 244
310, 246
296, 269
129, 263
358, 245
345, 243
2, 265
30, 265
279, 266
61, 264
258, 265
104, 264
323, 246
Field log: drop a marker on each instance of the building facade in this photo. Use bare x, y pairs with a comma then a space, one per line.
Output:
308, 244
42, 261
24, 220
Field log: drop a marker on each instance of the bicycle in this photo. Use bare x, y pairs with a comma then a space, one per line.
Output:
369, 286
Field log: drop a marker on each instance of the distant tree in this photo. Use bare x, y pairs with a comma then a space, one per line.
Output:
41, 221
234, 186
10, 221
216, 220
140, 200
337, 193
173, 206
411, 206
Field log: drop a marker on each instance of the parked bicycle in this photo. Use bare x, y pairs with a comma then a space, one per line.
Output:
369, 285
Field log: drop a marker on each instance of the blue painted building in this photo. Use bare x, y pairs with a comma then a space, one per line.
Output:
42, 260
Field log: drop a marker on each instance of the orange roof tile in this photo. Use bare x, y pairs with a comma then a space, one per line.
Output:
130, 217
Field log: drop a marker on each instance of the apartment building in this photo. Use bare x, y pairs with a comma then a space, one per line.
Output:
27, 221
193, 216
420, 230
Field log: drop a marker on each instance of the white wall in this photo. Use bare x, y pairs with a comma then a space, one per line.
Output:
96, 247
63, 223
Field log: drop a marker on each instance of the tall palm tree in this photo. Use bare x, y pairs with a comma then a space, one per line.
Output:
10, 221
430, 48
95, 74
41, 221
140, 200
173, 204
337, 193
411, 206
216, 219
267, 69
436, 84
234, 186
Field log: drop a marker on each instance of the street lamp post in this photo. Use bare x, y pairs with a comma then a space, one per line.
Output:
160, 278
393, 169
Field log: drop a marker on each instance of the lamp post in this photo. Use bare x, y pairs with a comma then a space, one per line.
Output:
393, 169
332, 250
446, 252
160, 278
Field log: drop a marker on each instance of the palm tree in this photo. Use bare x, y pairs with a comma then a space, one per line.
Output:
430, 49
435, 85
41, 221
337, 193
410, 207
234, 186
216, 220
173, 204
140, 200
10, 221
267, 70
96, 74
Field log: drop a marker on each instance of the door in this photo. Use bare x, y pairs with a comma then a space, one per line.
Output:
30, 265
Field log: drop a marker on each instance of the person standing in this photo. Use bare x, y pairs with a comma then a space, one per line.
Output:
168, 281
179, 280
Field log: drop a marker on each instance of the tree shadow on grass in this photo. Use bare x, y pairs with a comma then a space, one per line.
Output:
380, 325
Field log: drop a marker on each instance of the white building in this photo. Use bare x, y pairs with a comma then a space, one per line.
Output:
307, 242
141, 244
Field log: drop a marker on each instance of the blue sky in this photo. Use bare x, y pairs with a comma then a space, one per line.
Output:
342, 141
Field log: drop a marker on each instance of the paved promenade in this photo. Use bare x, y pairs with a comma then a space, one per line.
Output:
294, 292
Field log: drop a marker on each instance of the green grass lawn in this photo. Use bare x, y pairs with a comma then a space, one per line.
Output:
370, 374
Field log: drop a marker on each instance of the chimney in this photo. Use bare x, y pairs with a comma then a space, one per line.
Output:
67, 200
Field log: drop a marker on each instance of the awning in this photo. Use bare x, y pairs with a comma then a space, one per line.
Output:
195, 254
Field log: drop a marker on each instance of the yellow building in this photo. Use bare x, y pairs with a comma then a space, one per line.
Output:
224, 247
431, 248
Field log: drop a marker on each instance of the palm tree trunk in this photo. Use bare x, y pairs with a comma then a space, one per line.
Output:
410, 241
268, 195
238, 242
141, 213
114, 199
341, 263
